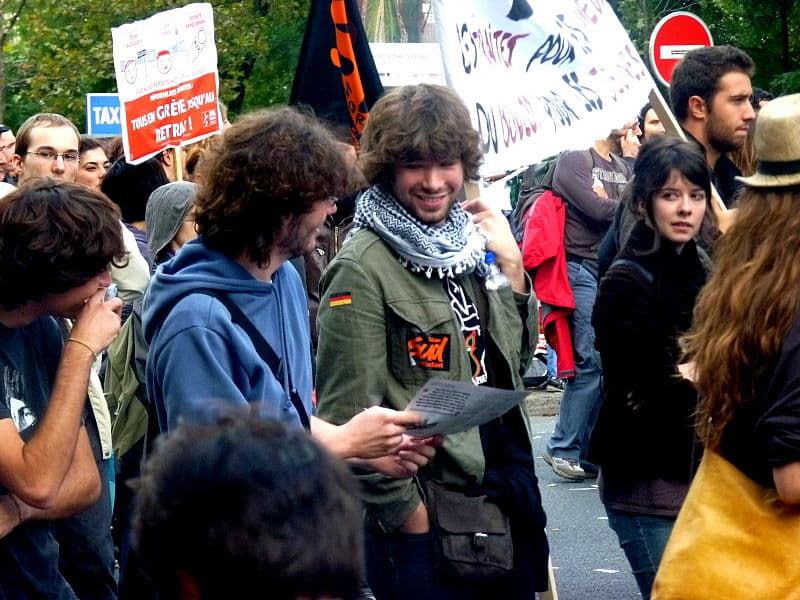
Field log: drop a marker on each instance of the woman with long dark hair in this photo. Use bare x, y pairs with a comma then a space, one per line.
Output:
644, 439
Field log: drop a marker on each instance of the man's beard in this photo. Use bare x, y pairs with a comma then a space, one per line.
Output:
721, 142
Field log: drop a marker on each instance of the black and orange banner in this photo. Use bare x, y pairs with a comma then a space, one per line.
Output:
336, 75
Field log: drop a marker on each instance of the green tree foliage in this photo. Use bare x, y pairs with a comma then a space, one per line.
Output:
60, 50
768, 30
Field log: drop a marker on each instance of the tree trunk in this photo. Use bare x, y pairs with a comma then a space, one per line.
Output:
786, 57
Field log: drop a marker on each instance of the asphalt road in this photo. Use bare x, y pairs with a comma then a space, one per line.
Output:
587, 560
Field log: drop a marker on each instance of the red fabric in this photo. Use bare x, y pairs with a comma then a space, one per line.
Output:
544, 256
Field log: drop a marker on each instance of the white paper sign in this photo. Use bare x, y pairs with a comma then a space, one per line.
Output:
540, 76
456, 406
166, 68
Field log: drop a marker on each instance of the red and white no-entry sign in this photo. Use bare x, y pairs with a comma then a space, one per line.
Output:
674, 36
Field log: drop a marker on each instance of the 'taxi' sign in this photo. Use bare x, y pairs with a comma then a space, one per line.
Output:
674, 36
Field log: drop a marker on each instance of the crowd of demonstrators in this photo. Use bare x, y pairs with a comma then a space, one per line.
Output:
238, 259
413, 275
244, 504
752, 300
591, 183
643, 440
252, 215
745, 348
56, 242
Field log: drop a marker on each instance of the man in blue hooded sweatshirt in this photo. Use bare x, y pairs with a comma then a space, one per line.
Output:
268, 186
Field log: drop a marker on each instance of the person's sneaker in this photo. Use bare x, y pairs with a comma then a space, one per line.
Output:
591, 469
564, 467
555, 382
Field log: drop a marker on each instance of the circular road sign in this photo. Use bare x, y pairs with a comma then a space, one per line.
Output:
674, 36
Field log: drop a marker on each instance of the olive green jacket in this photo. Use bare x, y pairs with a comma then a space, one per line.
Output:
373, 314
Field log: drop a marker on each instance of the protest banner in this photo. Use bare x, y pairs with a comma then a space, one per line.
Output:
540, 76
166, 69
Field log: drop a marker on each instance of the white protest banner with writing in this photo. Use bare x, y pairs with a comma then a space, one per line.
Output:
166, 68
540, 76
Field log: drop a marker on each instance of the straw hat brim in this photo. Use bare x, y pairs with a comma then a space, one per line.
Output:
770, 181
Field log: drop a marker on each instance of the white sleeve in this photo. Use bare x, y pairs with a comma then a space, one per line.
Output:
133, 278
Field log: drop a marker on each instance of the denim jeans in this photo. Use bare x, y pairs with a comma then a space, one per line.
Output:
581, 401
643, 539
552, 363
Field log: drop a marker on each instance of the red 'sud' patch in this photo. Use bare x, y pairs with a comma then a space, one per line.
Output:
430, 351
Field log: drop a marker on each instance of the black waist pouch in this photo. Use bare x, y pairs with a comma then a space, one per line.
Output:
472, 536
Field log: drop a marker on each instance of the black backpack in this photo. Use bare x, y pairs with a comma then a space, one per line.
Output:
534, 181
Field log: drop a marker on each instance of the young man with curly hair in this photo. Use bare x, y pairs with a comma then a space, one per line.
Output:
57, 241
406, 301
269, 184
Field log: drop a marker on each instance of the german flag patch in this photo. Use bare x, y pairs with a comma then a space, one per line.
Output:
342, 299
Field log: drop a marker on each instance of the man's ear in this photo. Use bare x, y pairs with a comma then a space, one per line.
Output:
16, 161
697, 108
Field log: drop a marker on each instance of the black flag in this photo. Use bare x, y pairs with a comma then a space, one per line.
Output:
336, 75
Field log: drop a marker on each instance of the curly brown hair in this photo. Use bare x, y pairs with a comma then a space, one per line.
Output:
267, 168
55, 236
418, 122
747, 307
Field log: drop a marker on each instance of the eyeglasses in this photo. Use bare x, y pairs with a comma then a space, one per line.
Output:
68, 157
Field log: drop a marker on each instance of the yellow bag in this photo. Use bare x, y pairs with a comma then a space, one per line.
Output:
733, 539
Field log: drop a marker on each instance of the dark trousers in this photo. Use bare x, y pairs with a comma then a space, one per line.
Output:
400, 566
86, 549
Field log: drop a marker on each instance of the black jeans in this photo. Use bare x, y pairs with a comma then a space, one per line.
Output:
400, 566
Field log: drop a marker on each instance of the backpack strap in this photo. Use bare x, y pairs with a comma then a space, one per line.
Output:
625, 262
263, 349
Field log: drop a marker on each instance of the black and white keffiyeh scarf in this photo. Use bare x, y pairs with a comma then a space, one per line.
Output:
454, 248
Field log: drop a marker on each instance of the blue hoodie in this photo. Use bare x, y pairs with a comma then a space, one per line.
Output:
199, 362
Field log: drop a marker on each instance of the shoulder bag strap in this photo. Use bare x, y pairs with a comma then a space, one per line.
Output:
264, 350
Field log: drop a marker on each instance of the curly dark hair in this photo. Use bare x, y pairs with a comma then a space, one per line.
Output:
248, 504
418, 122
698, 74
268, 167
55, 236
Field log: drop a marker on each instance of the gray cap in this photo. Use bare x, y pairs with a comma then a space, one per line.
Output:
166, 210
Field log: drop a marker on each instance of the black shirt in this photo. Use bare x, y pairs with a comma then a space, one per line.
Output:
766, 433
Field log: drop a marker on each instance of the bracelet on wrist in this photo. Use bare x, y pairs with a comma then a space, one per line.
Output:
84, 344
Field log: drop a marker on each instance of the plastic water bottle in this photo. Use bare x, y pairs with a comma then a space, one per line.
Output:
495, 279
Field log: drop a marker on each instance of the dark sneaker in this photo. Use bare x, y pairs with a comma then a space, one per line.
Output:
555, 382
568, 468
591, 469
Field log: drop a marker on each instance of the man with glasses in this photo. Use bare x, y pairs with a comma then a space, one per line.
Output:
7, 143
47, 146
